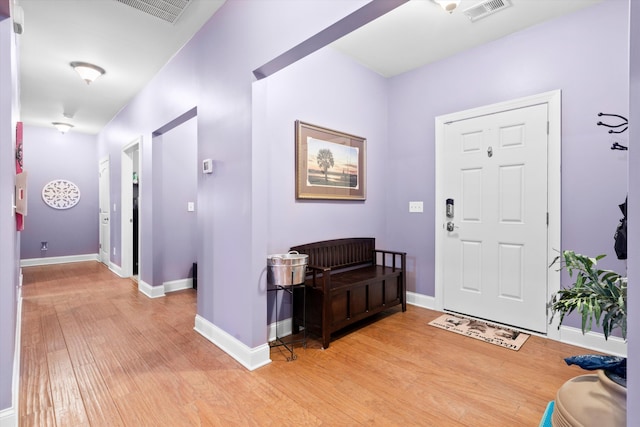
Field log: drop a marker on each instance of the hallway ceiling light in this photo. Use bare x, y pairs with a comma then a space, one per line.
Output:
88, 72
448, 5
62, 127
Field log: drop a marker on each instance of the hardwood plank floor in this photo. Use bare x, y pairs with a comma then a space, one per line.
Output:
97, 352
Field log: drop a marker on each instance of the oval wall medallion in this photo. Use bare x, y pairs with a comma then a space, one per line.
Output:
61, 194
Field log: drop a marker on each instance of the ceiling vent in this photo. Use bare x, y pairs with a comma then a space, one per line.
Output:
167, 10
486, 8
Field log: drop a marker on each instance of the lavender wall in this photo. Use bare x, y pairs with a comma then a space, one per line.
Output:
214, 73
179, 186
49, 155
583, 54
633, 301
307, 91
9, 243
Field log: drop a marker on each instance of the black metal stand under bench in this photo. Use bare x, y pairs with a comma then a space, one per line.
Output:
279, 341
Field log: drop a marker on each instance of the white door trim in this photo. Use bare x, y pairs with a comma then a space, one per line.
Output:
103, 238
553, 100
126, 207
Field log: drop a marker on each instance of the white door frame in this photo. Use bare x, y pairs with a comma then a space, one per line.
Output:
126, 207
553, 100
101, 194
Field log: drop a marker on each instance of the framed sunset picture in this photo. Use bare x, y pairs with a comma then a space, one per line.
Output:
330, 165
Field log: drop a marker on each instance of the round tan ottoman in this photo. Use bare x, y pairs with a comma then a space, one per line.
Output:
590, 400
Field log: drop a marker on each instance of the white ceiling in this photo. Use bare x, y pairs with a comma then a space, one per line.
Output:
420, 31
133, 46
130, 45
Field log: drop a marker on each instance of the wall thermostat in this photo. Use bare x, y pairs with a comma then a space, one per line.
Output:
207, 166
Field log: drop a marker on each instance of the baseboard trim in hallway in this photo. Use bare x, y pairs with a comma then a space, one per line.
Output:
8, 418
31, 262
250, 358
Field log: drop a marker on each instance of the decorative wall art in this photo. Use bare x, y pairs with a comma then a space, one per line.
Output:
61, 194
330, 165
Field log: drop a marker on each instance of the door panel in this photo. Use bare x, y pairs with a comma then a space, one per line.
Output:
495, 261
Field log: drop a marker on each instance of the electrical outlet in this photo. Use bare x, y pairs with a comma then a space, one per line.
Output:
191, 206
114, 251
416, 207
44, 246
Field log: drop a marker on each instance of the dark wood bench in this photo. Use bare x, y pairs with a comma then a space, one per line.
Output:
347, 281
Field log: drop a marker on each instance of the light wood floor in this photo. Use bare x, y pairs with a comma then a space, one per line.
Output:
96, 352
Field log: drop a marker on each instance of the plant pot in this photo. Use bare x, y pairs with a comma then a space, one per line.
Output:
592, 400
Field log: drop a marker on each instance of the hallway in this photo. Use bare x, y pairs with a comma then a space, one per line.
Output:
96, 352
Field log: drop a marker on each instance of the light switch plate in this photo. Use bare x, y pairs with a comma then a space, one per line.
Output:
207, 166
191, 206
416, 207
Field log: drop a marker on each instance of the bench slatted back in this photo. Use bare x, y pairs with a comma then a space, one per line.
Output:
339, 253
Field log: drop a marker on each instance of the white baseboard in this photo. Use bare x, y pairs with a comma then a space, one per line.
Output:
593, 341
116, 269
282, 326
150, 291
420, 300
30, 262
178, 285
160, 291
250, 358
8, 418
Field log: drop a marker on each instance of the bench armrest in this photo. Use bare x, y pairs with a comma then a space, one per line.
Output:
402, 256
395, 257
320, 276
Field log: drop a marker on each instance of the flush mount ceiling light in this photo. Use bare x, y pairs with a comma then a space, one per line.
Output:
88, 72
448, 5
62, 127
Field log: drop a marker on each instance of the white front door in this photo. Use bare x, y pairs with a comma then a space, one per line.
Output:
105, 227
495, 240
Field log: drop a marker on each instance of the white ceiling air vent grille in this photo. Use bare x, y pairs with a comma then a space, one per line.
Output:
167, 10
485, 8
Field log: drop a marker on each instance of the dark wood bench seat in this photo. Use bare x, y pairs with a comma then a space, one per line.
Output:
348, 280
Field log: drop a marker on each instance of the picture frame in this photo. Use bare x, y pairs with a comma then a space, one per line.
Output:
330, 165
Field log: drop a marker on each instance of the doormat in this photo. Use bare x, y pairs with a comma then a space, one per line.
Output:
493, 334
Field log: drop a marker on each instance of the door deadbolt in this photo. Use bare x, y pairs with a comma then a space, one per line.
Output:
490, 152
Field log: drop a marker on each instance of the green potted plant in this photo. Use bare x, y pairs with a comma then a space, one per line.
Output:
599, 295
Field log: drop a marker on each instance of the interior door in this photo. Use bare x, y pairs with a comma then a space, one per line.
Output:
105, 227
495, 243
127, 168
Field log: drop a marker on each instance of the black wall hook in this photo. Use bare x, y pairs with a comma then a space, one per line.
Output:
625, 122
